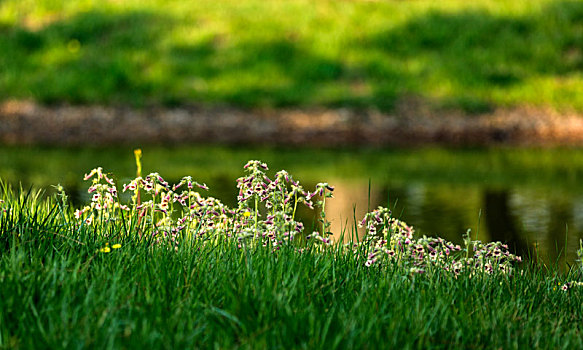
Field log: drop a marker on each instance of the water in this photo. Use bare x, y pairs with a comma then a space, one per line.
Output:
531, 199
534, 221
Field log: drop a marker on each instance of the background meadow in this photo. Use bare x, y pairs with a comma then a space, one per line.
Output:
262, 54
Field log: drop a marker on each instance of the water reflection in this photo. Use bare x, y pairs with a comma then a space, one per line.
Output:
501, 223
535, 223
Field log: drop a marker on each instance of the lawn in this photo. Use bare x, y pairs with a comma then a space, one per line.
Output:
473, 56
177, 270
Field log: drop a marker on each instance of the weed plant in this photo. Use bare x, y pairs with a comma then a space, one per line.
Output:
166, 267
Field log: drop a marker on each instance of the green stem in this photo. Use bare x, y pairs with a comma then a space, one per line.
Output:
152, 210
323, 214
256, 214
189, 221
295, 207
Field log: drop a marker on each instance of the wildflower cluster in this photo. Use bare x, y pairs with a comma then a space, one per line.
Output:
391, 241
266, 215
575, 284
172, 213
105, 205
267, 207
266, 211
324, 191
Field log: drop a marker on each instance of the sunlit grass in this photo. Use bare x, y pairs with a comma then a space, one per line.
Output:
473, 56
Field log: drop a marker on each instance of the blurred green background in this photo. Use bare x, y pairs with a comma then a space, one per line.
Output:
451, 54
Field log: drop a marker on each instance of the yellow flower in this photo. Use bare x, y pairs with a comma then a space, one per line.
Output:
138, 155
247, 214
105, 250
116, 246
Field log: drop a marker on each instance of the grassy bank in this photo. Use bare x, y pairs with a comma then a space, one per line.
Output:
451, 54
105, 277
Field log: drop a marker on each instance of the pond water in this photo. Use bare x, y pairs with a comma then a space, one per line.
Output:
529, 198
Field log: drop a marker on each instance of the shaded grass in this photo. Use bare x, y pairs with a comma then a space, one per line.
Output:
359, 54
59, 292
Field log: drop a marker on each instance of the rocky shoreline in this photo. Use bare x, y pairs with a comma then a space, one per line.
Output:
29, 123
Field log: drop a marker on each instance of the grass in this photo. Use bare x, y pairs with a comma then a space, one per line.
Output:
359, 54
60, 288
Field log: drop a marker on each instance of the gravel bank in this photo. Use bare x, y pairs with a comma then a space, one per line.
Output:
26, 123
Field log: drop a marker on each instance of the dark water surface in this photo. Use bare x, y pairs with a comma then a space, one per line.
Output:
529, 198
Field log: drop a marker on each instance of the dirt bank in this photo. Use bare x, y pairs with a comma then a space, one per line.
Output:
25, 123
